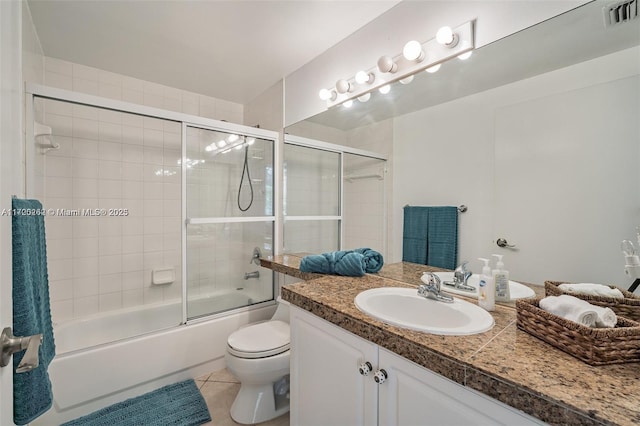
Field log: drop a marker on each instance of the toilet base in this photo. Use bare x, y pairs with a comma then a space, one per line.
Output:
256, 404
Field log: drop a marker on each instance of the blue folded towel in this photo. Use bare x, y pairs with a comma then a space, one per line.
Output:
32, 394
430, 236
349, 263
372, 259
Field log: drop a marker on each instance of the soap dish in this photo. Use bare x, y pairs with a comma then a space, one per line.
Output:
628, 307
595, 346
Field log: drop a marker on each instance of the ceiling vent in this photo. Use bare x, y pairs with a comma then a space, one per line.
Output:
619, 13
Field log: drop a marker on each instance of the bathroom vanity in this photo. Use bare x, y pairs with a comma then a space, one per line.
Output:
503, 375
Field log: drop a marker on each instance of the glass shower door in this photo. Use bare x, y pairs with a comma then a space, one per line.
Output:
230, 218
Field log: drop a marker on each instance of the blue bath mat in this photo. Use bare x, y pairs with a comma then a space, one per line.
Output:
180, 404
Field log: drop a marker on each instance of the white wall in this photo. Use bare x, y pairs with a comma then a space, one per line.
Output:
408, 20
445, 155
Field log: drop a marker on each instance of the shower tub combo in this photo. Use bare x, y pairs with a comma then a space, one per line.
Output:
207, 210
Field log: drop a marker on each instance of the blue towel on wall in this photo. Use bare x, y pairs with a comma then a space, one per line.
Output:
32, 394
430, 236
349, 263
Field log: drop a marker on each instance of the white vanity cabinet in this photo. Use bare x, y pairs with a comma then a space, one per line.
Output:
327, 387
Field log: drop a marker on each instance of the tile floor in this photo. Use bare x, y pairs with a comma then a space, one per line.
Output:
219, 389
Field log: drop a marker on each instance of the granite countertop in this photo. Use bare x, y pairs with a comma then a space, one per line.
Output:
505, 363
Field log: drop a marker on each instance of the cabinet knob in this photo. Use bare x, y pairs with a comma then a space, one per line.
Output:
380, 377
365, 368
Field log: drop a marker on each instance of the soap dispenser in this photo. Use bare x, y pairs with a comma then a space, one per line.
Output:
486, 288
501, 280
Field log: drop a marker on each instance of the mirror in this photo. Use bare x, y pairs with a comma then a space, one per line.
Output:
537, 133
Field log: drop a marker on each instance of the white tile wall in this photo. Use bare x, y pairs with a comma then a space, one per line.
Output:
109, 160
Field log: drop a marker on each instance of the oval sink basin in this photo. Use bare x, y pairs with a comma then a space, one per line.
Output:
516, 290
403, 308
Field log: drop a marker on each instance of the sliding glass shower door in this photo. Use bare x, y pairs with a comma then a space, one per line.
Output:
230, 219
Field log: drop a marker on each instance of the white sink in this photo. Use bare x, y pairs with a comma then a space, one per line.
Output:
403, 308
516, 290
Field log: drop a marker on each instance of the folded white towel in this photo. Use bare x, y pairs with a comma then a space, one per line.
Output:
579, 311
570, 308
591, 289
606, 317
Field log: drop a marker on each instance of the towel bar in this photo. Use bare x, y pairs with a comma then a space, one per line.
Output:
461, 208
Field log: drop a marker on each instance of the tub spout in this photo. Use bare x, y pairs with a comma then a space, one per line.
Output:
254, 274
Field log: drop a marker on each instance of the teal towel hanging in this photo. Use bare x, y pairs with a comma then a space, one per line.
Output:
32, 394
430, 236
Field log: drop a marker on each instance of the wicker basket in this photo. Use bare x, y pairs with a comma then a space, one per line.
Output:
595, 346
629, 307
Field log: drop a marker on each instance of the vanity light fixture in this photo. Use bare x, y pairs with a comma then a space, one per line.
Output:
363, 77
386, 64
210, 147
232, 138
446, 37
415, 57
343, 86
465, 56
221, 143
348, 104
413, 51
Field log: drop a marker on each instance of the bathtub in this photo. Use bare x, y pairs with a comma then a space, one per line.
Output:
86, 378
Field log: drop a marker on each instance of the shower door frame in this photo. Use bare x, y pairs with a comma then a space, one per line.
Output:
340, 150
33, 91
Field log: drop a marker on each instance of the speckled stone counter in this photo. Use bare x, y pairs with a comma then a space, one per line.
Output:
504, 363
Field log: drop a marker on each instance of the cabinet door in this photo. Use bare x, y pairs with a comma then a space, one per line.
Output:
413, 395
326, 385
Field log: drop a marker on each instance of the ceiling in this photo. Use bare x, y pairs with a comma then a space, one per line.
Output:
232, 50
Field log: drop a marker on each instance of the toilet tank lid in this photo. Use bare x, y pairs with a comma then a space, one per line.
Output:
260, 337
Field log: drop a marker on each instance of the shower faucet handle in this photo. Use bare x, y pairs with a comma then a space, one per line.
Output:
255, 257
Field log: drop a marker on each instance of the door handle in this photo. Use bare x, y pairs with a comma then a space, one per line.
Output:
11, 344
501, 242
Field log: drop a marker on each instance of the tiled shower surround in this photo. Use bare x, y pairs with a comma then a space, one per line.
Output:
112, 160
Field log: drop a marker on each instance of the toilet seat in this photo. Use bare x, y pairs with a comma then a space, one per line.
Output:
261, 340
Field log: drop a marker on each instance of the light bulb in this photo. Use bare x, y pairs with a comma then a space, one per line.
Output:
232, 138
251, 141
364, 98
413, 51
433, 69
239, 146
385, 89
386, 64
446, 37
324, 94
348, 104
406, 80
222, 143
210, 147
465, 56
343, 86
363, 77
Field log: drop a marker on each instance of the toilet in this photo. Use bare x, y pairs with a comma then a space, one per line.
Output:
258, 356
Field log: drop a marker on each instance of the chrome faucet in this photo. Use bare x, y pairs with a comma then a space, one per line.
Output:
460, 277
431, 288
254, 274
